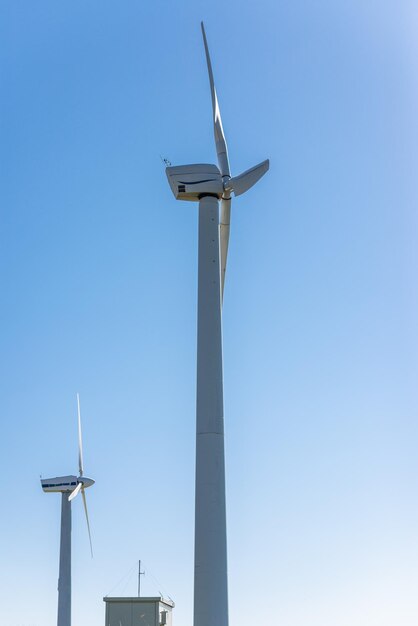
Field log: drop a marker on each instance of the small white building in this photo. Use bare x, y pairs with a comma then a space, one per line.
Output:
138, 611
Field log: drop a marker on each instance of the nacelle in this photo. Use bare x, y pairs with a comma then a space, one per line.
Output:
191, 182
59, 483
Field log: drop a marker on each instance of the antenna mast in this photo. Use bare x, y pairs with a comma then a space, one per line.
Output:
139, 578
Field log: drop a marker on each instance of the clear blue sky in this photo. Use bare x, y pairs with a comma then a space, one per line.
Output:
98, 295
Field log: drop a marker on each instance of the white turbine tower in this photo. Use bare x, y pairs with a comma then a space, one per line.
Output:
69, 487
208, 184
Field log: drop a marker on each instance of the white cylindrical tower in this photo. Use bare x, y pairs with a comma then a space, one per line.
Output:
210, 580
64, 581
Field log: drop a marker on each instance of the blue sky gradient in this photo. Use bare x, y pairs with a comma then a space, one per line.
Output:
98, 278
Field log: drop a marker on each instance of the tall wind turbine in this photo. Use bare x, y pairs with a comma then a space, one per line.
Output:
69, 487
209, 185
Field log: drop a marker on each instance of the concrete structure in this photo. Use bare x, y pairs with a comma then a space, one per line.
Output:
138, 611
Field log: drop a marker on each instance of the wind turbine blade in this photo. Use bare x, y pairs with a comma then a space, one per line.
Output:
240, 184
87, 519
74, 493
224, 235
220, 142
80, 441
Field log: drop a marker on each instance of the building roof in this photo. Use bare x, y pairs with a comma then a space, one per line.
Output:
135, 599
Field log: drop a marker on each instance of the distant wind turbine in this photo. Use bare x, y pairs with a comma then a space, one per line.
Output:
69, 487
